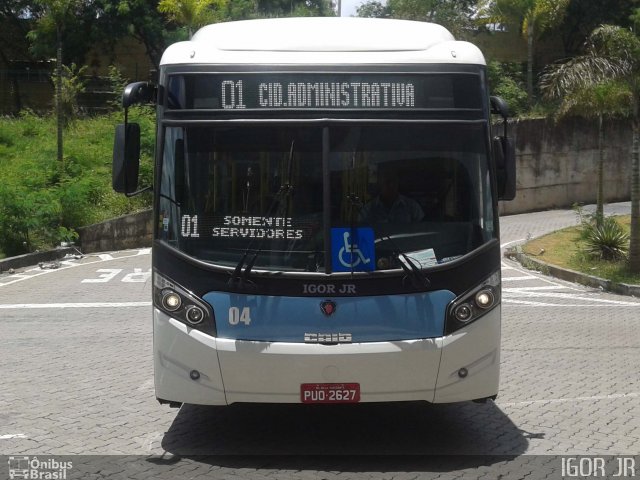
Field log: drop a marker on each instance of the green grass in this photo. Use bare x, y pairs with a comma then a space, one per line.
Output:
564, 248
41, 201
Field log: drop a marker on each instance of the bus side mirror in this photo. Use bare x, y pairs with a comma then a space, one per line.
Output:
504, 153
126, 145
126, 158
138, 92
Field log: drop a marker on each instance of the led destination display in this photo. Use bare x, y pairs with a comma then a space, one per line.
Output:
268, 91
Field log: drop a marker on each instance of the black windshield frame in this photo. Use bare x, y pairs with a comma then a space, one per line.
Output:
325, 125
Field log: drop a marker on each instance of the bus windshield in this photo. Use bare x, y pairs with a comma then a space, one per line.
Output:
342, 197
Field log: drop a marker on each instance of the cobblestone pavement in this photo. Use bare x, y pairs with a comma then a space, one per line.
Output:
77, 380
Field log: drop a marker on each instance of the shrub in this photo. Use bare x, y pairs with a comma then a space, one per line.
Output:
606, 240
506, 80
73, 84
42, 204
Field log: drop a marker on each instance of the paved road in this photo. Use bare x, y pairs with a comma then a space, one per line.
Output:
77, 379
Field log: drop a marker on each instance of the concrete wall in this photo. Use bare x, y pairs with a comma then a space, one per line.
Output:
557, 163
129, 231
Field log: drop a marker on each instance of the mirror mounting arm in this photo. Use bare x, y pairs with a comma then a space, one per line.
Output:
137, 93
500, 107
138, 192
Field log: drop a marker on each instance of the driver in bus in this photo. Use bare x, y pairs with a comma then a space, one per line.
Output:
390, 206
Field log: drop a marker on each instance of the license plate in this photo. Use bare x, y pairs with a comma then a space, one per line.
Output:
330, 392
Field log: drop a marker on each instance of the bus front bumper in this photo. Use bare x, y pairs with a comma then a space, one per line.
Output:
193, 367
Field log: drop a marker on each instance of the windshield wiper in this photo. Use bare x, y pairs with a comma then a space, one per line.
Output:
414, 273
283, 193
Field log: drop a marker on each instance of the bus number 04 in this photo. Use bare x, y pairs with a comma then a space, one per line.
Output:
237, 316
190, 226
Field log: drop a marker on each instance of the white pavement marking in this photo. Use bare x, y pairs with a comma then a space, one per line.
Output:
543, 304
515, 279
611, 396
532, 289
543, 295
569, 296
12, 435
105, 257
21, 277
75, 305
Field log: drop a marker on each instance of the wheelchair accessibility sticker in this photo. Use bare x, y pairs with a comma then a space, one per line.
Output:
353, 249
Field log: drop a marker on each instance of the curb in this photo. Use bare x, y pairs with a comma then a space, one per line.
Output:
29, 259
571, 275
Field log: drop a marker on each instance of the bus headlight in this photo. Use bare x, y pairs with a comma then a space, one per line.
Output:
473, 304
463, 312
485, 298
179, 303
194, 315
171, 300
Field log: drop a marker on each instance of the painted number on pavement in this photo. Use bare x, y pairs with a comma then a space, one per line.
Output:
104, 275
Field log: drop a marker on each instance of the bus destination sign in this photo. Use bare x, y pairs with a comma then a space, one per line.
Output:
274, 95
269, 91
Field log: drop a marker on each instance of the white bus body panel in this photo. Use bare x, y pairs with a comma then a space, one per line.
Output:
322, 41
271, 372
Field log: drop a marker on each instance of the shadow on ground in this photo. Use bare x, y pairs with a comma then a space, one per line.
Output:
405, 437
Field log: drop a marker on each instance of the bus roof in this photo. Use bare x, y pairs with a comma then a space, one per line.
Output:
325, 40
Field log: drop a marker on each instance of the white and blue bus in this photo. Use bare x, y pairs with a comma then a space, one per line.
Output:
325, 210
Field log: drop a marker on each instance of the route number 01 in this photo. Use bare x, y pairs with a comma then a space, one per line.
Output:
237, 316
189, 226
232, 95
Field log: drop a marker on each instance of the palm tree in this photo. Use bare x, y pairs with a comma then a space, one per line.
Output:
606, 99
532, 18
612, 57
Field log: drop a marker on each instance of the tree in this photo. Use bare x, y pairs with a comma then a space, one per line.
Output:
15, 23
193, 13
373, 9
291, 8
583, 16
56, 15
601, 100
138, 18
531, 17
242, 9
455, 15
612, 55
505, 80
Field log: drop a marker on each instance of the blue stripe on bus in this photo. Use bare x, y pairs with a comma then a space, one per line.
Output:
367, 319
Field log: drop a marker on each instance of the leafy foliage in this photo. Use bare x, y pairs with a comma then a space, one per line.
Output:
292, 8
506, 81
605, 240
40, 205
373, 9
117, 84
530, 17
455, 15
609, 54
193, 13
612, 56
73, 84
